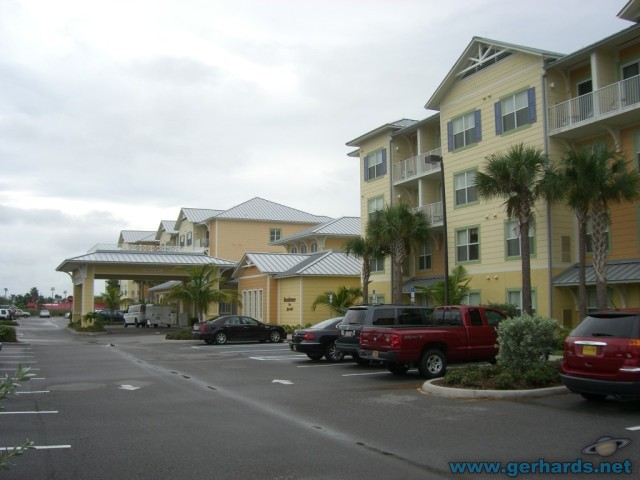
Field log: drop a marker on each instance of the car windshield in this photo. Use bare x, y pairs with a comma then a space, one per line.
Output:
617, 325
354, 316
323, 324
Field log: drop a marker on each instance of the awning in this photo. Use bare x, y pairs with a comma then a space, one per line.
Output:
422, 282
618, 272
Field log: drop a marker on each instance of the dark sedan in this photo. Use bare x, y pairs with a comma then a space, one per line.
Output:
108, 315
318, 341
238, 328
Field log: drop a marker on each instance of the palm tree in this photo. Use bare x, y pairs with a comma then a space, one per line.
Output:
459, 281
611, 181
111, 297
199, 290
339, 301
521, 177
395, 228
368, 251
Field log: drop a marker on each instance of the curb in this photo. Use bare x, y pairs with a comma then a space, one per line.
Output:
430, 388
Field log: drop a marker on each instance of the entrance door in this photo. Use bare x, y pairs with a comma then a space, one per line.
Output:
631, 84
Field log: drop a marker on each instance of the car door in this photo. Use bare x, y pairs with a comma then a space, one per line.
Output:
233, 328
483, 333
252, 329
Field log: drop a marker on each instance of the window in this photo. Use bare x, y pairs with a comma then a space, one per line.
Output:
294, 250
512, 235
275, 234
465, 187
472, 298
630, 84
464, 130
314, 247
252, 303
182, 240
514, 297
589, 237
189, 239
515, 111
377, 266
303, 249
468, 245
374, 205
375, 298
375, 164
424, 257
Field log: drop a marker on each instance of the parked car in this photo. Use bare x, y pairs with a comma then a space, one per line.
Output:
318, 341
135, 315
238, 328
5, 314
356, 318
452, 334
602, 355
18, 313
45, 314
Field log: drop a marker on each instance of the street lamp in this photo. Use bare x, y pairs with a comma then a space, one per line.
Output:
438, 159
5, 293
53, 289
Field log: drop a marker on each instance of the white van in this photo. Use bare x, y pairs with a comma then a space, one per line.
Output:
136, 315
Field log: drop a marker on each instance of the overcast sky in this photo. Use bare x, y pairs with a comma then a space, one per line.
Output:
115, 114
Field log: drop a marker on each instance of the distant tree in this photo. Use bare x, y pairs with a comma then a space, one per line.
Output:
340, 301
395, 229
200, 291
521, 177
459, 281
111, 298
368, 251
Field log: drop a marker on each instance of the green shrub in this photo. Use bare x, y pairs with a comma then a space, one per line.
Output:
542, 374
11, 323
525, 340
182, 334
7, 334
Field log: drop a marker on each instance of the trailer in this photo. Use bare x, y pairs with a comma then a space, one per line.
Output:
159, 315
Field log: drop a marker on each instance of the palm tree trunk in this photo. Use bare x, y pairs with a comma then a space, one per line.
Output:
398, 259
525, 256
582, 269
365, 274
599, 237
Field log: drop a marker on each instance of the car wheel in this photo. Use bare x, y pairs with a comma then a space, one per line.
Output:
274, 336
220, 338
593, 397
332, 353
314, 356
397, 368
432, 364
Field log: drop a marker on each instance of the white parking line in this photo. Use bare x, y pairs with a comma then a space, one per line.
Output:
633, 428
368, 373
35, 391
32, 412
287, 357
36, 447
320, 365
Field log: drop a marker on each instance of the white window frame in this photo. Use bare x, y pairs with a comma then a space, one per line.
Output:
464, 183
464, 130
517, 107
464, 242
512, 237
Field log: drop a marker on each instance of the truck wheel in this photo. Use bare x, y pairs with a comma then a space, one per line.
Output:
432, 364
397, 368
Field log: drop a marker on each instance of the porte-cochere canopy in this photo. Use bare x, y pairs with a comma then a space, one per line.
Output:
131, 262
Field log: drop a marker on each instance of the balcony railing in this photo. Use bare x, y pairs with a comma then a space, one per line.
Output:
600, 103
415, 167
432, 212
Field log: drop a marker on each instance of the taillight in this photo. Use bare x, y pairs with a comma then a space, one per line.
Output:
203, 327
634, 346
308, 336
394, 341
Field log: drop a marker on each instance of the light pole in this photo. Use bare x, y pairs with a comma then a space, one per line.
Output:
5, 293
438, 159
53, 289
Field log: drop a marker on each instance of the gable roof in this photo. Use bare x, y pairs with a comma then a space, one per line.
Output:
393, 126
339, 227
137, 236
167, 226
269, 262
323, 264
195, 215
258, 209
480, 54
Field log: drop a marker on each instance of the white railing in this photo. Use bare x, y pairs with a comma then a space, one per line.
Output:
432, 212
106, 247
599, 103
415, 166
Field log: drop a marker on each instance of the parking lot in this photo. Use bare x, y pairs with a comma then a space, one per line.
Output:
130, 403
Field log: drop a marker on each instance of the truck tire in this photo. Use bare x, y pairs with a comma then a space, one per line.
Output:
432, 364
398, 368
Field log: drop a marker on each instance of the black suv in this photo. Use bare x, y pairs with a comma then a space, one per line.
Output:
360, 316
602, 355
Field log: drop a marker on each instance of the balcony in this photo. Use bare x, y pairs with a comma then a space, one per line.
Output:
415, 167
618, 103
432, 212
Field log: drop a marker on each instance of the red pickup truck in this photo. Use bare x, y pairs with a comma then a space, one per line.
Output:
460, 333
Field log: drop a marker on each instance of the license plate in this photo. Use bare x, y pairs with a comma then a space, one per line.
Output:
348, 333
374, 354
589, 350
